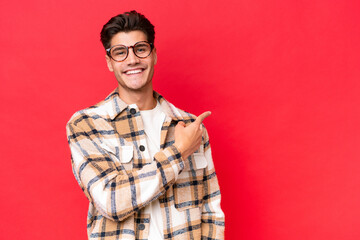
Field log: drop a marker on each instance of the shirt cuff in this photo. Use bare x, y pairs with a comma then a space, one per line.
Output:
171, 157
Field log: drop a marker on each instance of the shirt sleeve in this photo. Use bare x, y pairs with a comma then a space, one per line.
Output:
116, 193
213, 218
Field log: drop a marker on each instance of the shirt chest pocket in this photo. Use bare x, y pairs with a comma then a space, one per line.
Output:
122, 156
189, 187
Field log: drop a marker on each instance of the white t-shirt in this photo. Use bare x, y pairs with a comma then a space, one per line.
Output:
153, 120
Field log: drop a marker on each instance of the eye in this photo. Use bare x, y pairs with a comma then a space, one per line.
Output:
119, 51
142, 48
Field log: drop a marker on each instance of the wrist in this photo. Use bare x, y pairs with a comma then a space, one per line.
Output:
184, 152
179, 147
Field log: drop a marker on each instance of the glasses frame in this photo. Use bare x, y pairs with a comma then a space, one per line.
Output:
108, 51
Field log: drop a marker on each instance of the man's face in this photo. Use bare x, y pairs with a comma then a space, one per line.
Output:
132, 74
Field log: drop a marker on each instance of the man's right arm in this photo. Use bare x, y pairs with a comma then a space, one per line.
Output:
115, 193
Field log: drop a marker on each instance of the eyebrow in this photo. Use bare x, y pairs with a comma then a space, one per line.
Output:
119, 45
141, 44
130, 45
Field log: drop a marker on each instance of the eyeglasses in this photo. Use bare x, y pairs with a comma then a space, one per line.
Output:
120, 52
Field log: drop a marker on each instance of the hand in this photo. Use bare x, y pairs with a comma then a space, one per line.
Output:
188, 138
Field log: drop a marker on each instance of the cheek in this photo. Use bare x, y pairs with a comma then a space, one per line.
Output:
117, 68
117, 74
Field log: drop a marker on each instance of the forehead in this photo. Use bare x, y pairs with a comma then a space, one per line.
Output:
128, 38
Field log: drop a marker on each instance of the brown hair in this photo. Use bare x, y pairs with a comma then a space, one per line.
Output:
126, 22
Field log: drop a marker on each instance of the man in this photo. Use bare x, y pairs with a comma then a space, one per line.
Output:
144, 164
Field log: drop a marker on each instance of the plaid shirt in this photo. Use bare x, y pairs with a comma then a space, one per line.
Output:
112, 164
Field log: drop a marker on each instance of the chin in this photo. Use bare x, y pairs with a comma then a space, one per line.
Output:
136, 87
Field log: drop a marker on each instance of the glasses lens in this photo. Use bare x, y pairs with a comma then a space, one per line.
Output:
142, 49
119, 53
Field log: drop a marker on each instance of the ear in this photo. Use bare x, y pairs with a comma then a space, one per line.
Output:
155, 56
109, 64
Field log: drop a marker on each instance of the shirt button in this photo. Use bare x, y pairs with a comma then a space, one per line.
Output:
141, 226
142, 148
133, 111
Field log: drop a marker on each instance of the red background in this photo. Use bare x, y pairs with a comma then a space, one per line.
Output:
280, 77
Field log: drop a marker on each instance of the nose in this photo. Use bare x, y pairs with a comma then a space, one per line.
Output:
132, 58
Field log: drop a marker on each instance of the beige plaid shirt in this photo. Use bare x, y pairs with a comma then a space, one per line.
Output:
112, 165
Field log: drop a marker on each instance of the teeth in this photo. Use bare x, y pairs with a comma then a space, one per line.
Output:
134, 71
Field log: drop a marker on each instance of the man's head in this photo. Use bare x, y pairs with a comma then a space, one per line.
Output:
128, 39
126, 22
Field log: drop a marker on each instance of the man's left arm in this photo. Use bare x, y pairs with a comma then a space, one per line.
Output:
212, 219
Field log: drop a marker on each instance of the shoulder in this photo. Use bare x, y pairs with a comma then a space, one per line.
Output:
89, 114
187, 116
174, 112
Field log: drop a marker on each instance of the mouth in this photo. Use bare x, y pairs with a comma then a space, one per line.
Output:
134, 71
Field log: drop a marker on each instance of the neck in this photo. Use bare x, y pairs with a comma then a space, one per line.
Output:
143, 99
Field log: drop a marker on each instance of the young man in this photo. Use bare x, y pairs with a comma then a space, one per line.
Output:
144, 165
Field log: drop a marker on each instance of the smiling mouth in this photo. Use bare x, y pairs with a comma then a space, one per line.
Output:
134, 71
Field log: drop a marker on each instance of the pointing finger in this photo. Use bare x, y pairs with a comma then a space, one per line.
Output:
202, 116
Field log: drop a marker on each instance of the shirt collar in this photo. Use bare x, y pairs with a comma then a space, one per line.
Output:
115, 105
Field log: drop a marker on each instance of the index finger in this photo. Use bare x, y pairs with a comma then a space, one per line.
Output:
202, 116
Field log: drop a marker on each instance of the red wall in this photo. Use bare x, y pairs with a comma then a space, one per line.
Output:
280, 77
